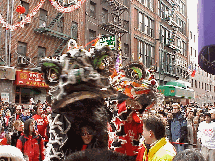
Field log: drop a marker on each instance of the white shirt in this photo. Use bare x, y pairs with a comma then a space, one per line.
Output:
206, 132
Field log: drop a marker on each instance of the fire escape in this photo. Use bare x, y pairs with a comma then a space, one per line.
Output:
48, 30
174, 25
116, 25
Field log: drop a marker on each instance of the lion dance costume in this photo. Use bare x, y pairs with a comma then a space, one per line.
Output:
77, 80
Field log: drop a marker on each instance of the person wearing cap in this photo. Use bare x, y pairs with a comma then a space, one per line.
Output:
206, 136
178, 127
212, 112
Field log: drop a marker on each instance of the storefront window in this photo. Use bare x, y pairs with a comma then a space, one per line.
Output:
23, 95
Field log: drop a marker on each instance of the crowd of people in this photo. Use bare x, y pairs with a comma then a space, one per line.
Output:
25, 127
182, 128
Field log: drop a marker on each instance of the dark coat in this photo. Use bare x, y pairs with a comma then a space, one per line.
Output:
178, 128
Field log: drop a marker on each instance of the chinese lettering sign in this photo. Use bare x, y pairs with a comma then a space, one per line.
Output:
110, 41
28, 78
5, 97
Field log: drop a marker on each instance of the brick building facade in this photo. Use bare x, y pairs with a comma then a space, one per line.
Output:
46, 35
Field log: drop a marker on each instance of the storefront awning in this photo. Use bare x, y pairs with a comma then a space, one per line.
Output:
176, 91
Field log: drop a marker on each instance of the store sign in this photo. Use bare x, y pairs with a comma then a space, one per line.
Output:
5, 97
7, 73
110, 41
27, 78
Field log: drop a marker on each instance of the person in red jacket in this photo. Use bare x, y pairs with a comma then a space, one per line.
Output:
41, 120
31, 144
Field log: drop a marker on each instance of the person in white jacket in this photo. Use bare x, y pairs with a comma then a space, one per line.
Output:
206, 135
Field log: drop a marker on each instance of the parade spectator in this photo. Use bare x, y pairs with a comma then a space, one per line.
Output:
205, 109
206, 136
189, 155
201, 117
156, 146
2, 132
31, 144
1, 119
41, 120
196, 122
212, 112
178, 127
18, 130
18, 112
190, 128
8, 120
6, 140
26, 115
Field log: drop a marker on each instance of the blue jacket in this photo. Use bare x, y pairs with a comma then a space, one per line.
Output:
178, 127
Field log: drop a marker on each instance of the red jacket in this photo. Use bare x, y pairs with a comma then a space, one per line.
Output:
31, 148
42, 124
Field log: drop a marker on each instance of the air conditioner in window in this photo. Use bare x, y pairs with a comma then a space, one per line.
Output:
22, 60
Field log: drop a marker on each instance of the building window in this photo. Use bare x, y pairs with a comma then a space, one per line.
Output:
140, 22
145, 24
148, 3
22, 48
192, 83
74, 30
41, 53
26, 6
195, 53
165, 35
159, 7
183, 48
104, 15
92, 9
190, 35
126, 2
146, 53
92, 35
162, 10
202, 85
60, 25
151, 28
43, 18
205, 86
126, 50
